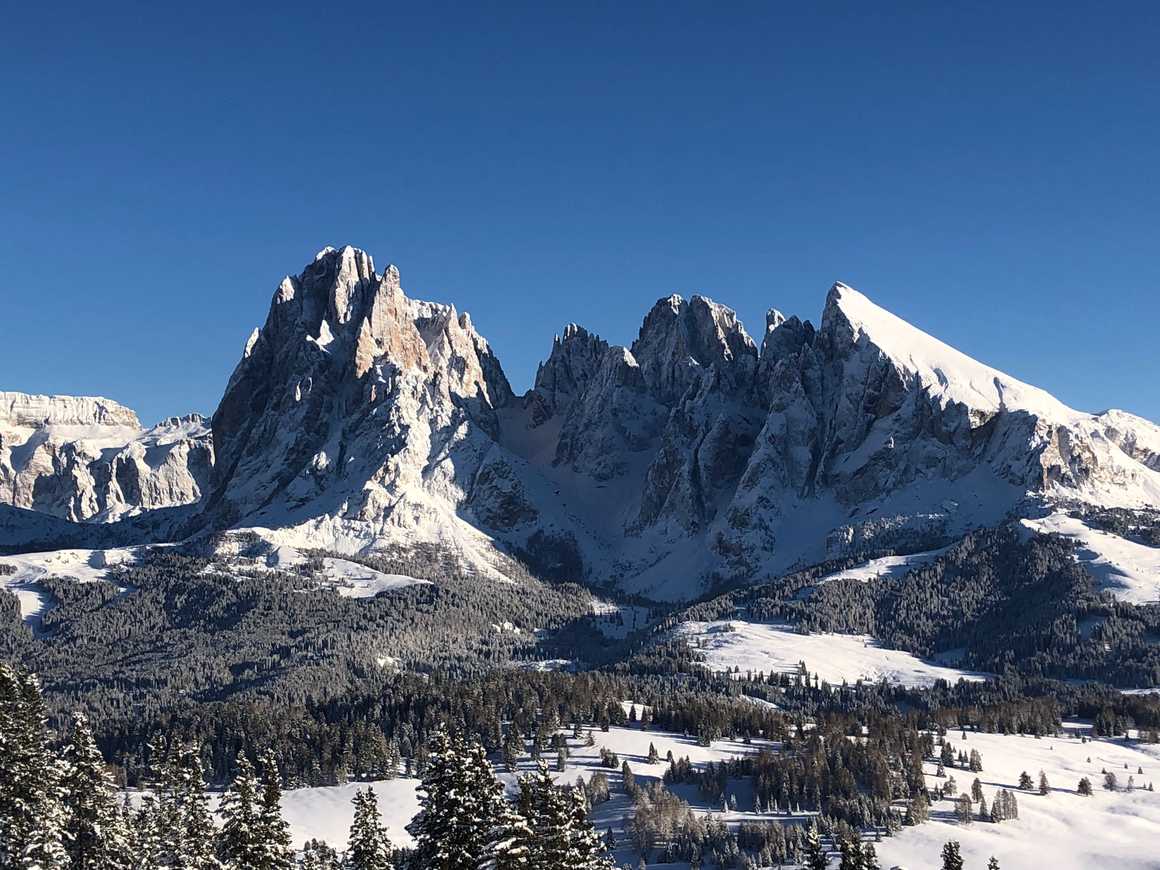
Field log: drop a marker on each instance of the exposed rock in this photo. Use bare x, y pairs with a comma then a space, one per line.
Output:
83, 458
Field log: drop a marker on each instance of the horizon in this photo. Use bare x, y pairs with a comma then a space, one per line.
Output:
536, 167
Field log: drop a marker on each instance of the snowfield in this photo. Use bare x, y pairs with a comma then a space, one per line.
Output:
85, 566
352, 580
1130, 571
326, 813
1060, 831
834, 658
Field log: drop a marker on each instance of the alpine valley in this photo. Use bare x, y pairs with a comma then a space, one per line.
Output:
806, 561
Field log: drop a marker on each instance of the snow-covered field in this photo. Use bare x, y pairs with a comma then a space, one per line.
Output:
1130, 571
1059, 831
326, 813
352, 580
85, 566
833, 657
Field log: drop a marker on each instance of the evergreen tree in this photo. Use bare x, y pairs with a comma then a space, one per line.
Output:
273, 832
851, 855
1044, 788
32, 816
96, 834
1085, 787
367, 847
963, 809
870, 857
993, 863
1025, 783
317, 855
952, 858
238, 845
186, 825
815, 855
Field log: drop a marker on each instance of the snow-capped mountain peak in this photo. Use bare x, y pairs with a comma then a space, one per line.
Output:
360, 418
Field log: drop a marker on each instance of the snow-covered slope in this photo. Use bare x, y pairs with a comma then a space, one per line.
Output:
835, 658
1127, 569
86, 458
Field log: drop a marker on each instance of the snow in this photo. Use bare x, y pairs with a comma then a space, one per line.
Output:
325, 813
350, 579
84, 566
886, 567
353, 580
1060, 831
1130, 571
833, 657
944, 371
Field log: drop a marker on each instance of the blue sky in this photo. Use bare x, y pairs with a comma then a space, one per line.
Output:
988, 172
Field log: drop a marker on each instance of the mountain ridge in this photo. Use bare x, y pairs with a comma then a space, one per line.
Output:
359, 418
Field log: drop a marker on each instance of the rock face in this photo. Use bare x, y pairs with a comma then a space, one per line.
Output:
356, 414
359, 419
83, 458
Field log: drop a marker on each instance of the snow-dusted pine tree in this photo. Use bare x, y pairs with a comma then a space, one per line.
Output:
237, 843
273, 832
96, 834
31, 811
367, 847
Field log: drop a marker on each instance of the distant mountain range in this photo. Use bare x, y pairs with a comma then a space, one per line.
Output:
359, 420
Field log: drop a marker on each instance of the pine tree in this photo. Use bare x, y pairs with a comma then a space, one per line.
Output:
317, 855
952, 858
187, 830
1085, 787
993, 863
96, 834
273, 832
870, 857
1025, 783
816, 858
548, 815
1044, 788
32, 816
367, 847
238, 842
963, 809
976, 790
851, 852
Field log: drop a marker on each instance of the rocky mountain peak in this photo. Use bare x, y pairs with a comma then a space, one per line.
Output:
565, 374
679, 337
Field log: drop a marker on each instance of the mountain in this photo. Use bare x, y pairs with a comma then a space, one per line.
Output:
361, 420
84, 458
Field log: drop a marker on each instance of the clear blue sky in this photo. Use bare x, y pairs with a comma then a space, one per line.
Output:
989, 173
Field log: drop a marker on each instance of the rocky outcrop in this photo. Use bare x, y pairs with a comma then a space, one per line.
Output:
83, 458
